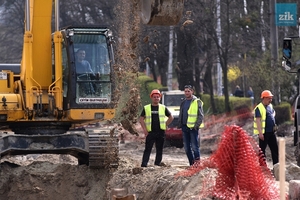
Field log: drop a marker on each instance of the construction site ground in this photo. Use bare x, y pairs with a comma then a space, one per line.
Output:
51, 177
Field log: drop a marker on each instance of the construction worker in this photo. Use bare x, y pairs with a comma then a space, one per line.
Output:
82, 65
154, 123
190, 119
264, 125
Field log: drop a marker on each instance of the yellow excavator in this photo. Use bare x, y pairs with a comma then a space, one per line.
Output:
66, 78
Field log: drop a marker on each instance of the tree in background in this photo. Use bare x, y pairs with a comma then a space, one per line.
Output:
72, 12
244, 33
12, 29
233, 74
154, 51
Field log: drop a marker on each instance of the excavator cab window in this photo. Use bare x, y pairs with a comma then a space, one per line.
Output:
287, 48
287, 54
92, 66
173, 99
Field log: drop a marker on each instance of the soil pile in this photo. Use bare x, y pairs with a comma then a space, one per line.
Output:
46, 180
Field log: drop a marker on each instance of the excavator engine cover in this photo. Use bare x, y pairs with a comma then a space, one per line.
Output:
161, 12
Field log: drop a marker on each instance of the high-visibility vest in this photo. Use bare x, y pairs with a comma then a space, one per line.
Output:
161, 116
193, 114
263, 113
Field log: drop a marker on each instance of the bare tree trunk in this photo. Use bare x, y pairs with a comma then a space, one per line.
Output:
197, 76
208, 75
152, 69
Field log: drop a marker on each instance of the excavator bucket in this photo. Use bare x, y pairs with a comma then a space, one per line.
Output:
161, 12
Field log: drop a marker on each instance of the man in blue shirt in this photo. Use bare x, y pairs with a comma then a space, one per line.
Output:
264, 125
286, 51
84, 72
82, 65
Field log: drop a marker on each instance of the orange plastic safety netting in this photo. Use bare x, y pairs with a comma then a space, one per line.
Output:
242, 172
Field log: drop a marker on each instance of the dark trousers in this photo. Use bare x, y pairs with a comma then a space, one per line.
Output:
191, 144
158, 139
271, 141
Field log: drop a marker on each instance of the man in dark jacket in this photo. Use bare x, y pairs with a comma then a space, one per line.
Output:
238, 92
190, 120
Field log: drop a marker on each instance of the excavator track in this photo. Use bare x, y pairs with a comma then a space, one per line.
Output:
97, 147
103, 148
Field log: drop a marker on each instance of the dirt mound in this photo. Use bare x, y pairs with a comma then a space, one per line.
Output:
157, 183
46, 180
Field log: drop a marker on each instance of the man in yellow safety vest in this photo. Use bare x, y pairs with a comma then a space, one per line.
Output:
190, 119
154, 123
264, 125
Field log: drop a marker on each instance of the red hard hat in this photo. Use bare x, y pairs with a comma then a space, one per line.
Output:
155, 91
266, 93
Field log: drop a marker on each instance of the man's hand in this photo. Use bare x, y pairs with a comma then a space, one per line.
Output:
146, 133
261, 136
97, 76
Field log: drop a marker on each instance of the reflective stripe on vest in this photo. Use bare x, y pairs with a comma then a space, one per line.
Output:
263, 113
161, 115
193, 114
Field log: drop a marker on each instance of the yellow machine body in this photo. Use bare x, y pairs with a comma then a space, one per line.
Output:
56, 91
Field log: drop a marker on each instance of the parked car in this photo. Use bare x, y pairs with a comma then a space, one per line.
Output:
172, 99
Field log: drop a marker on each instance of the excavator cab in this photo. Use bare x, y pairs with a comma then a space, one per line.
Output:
88, 57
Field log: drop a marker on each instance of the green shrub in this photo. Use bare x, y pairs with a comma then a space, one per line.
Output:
283, 113
235, 103
147, 84
205, 98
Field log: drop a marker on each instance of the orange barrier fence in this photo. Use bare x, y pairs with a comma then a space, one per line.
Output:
238, 115
242, 172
